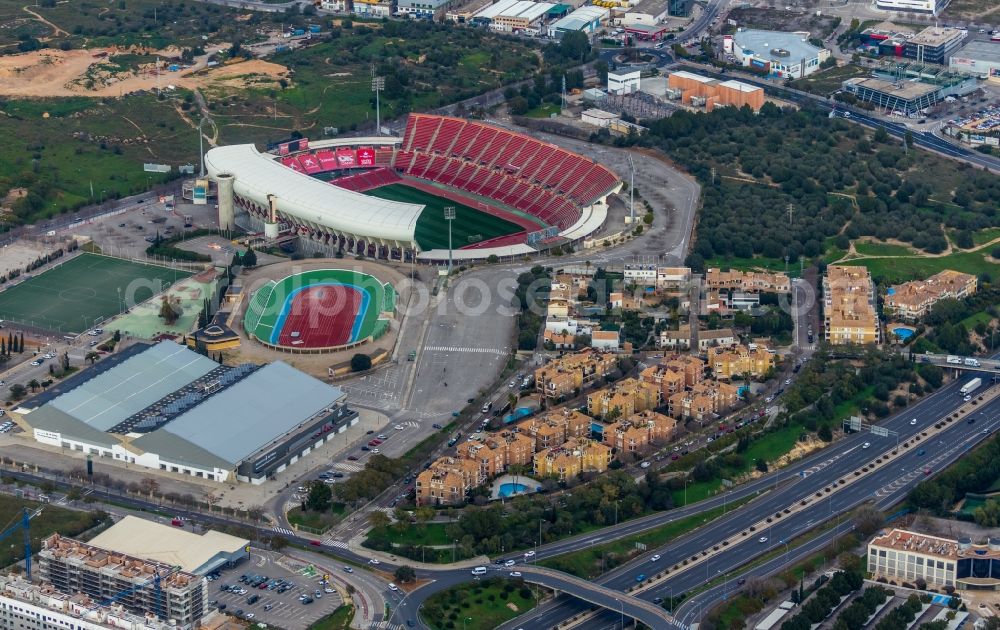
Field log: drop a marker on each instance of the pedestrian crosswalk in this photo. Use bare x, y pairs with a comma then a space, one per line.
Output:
283, 531
349, 466
500, 351
339, 544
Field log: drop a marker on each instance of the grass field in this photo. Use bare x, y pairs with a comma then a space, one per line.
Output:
470, 225
829, 81
895, 270
400, 534
985, 236
882, 249
340, 619
52, 519
83, 291
480, 606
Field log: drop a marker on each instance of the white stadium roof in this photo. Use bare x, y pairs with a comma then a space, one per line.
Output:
310, 200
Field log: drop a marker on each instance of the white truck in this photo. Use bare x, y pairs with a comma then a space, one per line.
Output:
971, 386
971, 362
952, 359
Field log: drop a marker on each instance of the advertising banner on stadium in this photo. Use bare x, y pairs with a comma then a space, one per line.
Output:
346, 158
366, 156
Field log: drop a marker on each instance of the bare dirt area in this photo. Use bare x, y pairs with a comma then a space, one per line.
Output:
777, 20
48, 73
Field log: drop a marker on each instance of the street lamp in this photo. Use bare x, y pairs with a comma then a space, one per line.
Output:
449, 216
621, 606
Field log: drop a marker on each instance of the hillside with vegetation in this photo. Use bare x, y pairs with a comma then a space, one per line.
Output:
787, 183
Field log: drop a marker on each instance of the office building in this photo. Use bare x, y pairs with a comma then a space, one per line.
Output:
904, 556
914, 6
777, 53
934, 45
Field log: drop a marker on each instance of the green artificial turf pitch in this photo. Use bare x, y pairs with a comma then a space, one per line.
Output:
83, 291
470, 225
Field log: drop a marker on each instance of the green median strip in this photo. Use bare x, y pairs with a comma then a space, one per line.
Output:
593, 561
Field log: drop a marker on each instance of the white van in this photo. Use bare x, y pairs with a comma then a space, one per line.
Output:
479, 571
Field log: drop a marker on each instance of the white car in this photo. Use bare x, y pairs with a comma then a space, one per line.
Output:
398, 427
762, 539
36, 362
373, 561
967, 398
509, 563
375, 451
393, 587
913, 422
250, 615
329, 590
866, 445
655, 558
644, 465
515, 574
529, 554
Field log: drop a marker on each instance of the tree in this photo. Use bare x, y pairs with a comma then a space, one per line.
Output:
825, 433
378, 519
319, 497
168, 312
868, 520
249, 258
34, 384
17, 391
361, 362
405, 573
575, 45
91, 357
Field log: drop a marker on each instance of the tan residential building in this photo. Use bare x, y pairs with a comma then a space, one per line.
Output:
735, 361
638, 431
571, 458
748, 281
723, 337
674, 373
849, 306
555, 427
517, 447
606, 340
559, 340
447, 481
562, 376
626, 396
914, 299
491, 461
702, 401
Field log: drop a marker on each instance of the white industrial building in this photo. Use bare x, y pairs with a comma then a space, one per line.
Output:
777, 53
916, 6
169, 408
979, 58
586, 19
513, 15
623, 82
597, 117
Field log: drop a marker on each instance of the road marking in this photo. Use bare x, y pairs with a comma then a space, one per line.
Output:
501, 352
283, 530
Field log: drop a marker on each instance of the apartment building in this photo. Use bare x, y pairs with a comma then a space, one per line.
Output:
555, 427
623, 398
703, 401
490, 461
447, 481
640, 275
912, 300
674, 374
906, 556
723, 337
747, 281
849, 314
42, 607
571, 458
737, 360
673, 278
563, 376
74, 567
639, 431
517, 448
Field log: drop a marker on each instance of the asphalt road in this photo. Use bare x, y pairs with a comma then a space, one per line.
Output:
819, 472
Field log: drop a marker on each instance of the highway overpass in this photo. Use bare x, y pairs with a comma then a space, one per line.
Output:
990, 367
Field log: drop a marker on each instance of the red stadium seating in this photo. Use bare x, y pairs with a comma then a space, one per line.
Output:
291, 163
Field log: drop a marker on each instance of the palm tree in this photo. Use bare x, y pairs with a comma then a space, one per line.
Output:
34, 384
92, 357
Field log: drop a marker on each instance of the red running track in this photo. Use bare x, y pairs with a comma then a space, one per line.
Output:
322, 315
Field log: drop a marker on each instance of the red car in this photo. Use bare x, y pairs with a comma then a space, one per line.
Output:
315, 543
176, 522
675, 457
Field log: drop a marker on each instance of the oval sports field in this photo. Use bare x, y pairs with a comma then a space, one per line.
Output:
322, 308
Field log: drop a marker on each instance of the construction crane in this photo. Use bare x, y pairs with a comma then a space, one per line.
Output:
24, 522
155, 581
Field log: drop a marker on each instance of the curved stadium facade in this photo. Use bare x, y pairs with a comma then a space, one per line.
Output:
534, 195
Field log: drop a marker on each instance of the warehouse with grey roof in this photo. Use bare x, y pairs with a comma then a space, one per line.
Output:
169, 408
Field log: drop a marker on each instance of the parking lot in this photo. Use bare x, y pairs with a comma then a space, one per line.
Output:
281, 585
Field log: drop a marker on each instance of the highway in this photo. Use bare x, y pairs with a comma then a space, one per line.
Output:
801, 481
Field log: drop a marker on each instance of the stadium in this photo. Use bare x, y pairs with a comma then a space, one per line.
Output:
320, 310
381, 197
168, 408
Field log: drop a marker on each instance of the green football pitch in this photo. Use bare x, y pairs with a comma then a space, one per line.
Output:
83, 291
470, 225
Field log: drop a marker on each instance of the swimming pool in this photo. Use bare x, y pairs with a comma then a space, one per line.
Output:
902, 332
510, 489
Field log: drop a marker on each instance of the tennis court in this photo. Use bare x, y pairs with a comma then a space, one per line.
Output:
83, 291
470, 225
